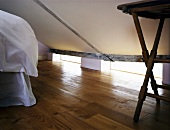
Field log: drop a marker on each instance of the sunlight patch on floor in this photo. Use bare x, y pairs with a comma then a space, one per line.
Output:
119, 73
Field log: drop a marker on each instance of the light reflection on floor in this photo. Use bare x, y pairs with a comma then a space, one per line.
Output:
115, 77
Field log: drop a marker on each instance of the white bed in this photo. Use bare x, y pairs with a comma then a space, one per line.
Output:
18, 61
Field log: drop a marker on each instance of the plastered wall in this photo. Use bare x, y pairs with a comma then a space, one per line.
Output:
99, 21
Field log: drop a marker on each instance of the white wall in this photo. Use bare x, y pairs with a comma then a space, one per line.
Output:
107, 28
99, 21
42, 51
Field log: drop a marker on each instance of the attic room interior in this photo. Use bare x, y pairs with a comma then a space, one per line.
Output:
84, 64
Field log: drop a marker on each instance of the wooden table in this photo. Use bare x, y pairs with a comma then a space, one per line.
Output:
152, 9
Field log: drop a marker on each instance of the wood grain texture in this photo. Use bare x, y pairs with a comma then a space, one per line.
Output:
103, 123
73, 98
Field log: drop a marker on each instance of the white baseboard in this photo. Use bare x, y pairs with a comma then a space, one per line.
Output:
166, 73
94, 64
42, 57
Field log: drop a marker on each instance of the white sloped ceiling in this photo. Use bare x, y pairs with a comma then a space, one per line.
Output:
98, 21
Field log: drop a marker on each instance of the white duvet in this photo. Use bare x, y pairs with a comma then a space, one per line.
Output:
18, 45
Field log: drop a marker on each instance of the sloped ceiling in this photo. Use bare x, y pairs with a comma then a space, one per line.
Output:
98, 21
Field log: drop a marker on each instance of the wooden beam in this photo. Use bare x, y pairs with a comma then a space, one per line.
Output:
114, 57
132, 58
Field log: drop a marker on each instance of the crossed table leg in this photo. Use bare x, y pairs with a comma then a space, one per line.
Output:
149, 62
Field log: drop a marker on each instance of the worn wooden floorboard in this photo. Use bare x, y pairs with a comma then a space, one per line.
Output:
70, 97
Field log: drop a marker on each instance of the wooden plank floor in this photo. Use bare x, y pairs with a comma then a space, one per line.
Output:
73, 98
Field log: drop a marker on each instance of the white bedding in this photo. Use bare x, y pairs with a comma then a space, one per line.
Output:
18, 61
18, 45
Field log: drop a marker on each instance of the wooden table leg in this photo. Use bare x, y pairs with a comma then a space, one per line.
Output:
145, 52
149, 62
